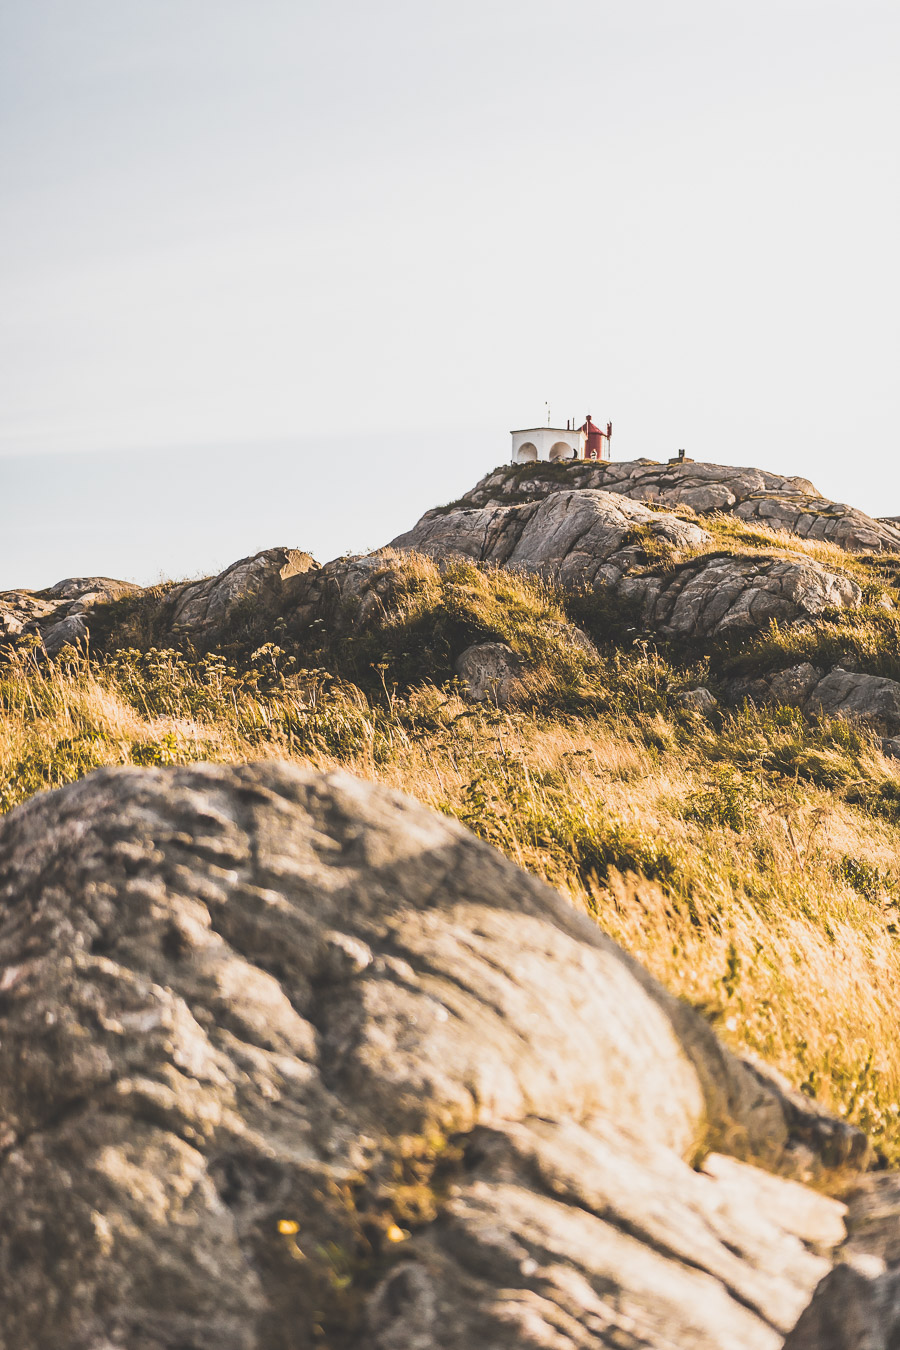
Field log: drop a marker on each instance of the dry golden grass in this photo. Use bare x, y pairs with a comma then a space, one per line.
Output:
730, 534
728, 858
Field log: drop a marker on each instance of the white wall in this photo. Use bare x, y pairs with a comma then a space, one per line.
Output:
546, 442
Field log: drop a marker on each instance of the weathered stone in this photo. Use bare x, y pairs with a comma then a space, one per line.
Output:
347, 594
784, 503
89, 589
871, 699
697, 700
236, 1002
794, 685
53, 616
873, 1221
718, 593
70, 632
592, 538
850, 1310
567, 538
260, 584
857, 1306
490, 672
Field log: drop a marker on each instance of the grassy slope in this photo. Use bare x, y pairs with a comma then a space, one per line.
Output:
751, 861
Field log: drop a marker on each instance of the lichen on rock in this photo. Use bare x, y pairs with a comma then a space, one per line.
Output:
249, 994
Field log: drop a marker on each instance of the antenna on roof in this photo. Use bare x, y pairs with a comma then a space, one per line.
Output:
547, 406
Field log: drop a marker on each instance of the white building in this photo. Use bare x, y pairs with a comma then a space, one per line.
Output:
555, 443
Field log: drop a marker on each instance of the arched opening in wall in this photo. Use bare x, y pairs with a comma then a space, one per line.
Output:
561, 451
526, 453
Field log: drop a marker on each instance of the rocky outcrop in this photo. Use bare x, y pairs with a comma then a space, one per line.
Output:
288, 1061
870, 699
56, 616
588, 538
851, 694
346, 594
722, 593
560, 521
256, 586
490, 672
574, 538
697, 700
790, 504
204, 612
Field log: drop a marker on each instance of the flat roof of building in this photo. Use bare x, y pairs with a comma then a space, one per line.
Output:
565, 431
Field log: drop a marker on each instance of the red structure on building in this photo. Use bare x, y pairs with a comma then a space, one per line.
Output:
596, 442
551, 444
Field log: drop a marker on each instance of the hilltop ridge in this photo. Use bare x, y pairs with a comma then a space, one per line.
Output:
688, 552
292, 1057
787, 503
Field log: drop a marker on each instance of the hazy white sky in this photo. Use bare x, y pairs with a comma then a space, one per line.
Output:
286, 255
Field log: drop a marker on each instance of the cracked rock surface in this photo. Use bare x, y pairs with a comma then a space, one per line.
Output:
784, 503
719, 593
587, 537
56, 616
203, 609
198, 610
573, 538
238, 1005
871, 699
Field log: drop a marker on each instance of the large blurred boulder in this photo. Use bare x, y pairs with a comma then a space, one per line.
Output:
857, 1305
288, 1061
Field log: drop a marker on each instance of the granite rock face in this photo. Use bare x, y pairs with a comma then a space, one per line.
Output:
286, 1061
346, 594
589, 538
263, 584
490, 672
199, 611
851, 694
870, 699
783, 503
697, 700
574, 538
56, 616
578, 525
719, 593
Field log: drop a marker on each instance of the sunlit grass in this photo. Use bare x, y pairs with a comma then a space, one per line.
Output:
751, 861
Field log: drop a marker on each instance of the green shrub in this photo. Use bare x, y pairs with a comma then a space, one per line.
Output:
880, 797
731, 799
510, 807
50, 763
868, 637
865, 878
431, 614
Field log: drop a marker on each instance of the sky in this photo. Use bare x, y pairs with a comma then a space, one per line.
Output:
288, 271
